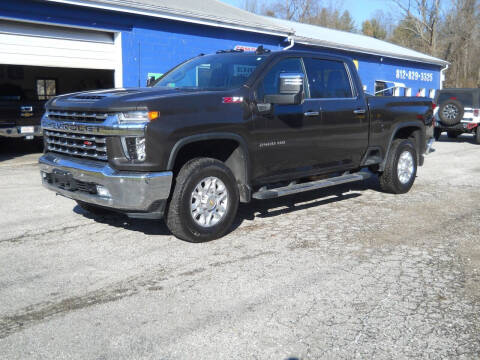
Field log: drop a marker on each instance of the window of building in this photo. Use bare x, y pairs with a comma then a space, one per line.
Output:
46, 88
421, 93
397, 91
431, 93
408, 91
382, 89
270, 84
327, 79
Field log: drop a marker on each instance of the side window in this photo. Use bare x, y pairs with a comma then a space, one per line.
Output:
270, 83
327, 79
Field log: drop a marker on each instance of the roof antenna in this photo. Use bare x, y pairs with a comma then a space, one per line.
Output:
292, 43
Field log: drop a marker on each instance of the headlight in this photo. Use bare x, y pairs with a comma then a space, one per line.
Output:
137, 116
134, 148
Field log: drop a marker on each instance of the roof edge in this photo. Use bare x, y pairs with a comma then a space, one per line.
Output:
190, 18
329, 44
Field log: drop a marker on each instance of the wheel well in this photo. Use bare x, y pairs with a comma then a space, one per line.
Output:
413, 133
228, 151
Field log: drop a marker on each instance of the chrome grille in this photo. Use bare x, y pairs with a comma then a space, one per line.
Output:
79, 145
86, 116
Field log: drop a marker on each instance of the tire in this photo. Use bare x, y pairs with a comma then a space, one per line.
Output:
452, 134
437, 132
391, 180
193, 176
477, 135
451, 112
93, 209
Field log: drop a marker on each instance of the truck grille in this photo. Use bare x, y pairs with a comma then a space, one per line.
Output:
78, 145
86, 116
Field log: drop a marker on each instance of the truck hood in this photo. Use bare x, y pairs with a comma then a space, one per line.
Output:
113, 100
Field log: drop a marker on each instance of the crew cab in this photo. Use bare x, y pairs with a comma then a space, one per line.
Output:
226, 128
19, 116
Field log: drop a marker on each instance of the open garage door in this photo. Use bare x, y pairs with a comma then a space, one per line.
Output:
54, 46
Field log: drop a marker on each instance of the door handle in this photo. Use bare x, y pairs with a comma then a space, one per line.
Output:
359, 111
311, 113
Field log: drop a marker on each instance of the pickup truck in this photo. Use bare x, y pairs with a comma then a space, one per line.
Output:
226, 128
19, 116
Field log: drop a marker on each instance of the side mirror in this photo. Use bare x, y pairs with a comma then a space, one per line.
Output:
290, 90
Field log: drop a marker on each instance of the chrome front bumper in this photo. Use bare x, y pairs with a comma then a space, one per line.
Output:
137, 194
16, 132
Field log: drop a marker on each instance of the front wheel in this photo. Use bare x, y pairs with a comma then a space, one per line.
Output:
401, 167
204, 202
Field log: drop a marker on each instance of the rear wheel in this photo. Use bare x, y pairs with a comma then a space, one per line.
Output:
477, 135
401, 167
204, 202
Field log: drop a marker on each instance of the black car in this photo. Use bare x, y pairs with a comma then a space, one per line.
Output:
457, 112
226, 128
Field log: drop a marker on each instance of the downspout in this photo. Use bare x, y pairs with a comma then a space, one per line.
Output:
292, 43
442, 76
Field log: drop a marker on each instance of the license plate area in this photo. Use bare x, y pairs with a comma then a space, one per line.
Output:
64, 180
27, 129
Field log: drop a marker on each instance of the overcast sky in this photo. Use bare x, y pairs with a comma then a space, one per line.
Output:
359, 9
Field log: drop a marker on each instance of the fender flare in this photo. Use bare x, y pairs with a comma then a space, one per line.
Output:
212, 136
416, 124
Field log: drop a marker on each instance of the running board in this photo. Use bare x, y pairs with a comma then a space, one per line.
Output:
313, 185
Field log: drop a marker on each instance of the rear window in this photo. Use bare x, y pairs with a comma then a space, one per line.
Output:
466, 98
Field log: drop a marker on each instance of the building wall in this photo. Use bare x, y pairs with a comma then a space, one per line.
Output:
153, 45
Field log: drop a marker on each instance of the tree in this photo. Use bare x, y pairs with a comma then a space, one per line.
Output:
423, 18
374, 29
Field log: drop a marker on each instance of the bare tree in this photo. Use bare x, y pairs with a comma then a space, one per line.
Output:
421, 18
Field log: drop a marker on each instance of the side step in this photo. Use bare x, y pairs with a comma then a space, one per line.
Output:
313, 185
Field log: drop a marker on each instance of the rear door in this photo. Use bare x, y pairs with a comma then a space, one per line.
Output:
342, 130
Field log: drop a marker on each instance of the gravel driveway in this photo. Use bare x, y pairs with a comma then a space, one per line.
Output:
347, 272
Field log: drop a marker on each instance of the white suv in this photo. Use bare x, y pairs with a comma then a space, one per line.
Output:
457, 112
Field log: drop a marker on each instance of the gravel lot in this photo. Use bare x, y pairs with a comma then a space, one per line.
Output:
347, 272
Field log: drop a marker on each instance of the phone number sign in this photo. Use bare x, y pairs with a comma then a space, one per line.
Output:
403, 74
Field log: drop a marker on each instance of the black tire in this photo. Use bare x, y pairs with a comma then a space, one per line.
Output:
389, 179
437, 132
447, 117
452, 134
477, 135
93, 209
179, 218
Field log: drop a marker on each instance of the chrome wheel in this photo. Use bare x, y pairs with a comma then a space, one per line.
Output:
405, 167
209, 202
450, 112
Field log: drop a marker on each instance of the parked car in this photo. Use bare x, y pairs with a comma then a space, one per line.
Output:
19, 117
458, 112
227, 128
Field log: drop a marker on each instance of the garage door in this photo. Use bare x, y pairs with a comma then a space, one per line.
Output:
54, 46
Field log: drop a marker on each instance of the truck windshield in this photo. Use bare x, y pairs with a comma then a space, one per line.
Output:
213, 72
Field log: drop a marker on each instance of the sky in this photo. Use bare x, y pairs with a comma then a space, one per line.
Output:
359, 9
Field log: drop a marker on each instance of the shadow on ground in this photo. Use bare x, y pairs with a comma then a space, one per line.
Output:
13, 148
464, 138
255, 209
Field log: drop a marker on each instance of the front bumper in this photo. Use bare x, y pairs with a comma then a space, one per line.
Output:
140, 195
19, 131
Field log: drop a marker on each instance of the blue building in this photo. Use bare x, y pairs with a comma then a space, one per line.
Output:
52, 47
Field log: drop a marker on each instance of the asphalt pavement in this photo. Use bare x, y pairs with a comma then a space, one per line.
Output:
346, 272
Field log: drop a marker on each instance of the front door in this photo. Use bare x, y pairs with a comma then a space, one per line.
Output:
284, 134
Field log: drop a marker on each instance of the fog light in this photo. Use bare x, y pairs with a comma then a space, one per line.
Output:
44, 175
103, 191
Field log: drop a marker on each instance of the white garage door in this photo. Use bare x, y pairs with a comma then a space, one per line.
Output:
55, 46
